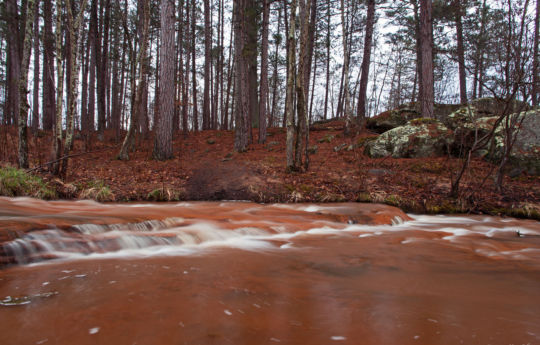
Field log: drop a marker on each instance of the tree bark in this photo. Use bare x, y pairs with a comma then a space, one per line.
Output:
346, 97
251, 16
242, 123
418, 54
291, 72
14, 51
536, 61
74, 27
57, 142
328, 21
23, 86
275, 74
460, 53
129, 141
163, 139
207, 62
264, 73
366, 63
193, 65
35, 109
302, 138
426, 43
90, 120
48, 68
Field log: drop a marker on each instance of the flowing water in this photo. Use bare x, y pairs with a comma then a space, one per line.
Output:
243, 273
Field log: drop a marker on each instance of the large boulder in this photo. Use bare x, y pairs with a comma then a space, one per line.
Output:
418, 138
401, 115
490, 106
392, 118
525, 154
461, 117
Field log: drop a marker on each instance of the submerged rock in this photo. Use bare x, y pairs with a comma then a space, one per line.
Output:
418, 138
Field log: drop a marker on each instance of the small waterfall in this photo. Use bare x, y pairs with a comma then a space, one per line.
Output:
85, 239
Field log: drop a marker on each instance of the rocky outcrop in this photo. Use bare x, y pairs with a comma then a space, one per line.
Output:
490, 106
392, 118
400, 116
418, 138
525, 154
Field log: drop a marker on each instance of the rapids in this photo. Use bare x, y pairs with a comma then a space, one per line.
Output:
244, 273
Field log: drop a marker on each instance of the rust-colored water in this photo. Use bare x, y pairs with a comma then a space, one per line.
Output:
290, 275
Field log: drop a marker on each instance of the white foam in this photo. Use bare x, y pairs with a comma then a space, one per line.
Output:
94, 330
338, 338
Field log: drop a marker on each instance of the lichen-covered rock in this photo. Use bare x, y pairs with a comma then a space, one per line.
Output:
525, 153
462, 116
490, 106
400, 116
418, 138
391, 119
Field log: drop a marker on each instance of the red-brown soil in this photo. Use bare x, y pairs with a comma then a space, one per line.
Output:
206, 168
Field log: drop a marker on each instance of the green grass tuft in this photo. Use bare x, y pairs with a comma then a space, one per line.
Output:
16, 182
97, 190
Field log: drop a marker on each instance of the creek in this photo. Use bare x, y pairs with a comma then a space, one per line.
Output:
80, 272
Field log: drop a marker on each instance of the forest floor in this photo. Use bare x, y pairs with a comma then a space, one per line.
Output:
205, 167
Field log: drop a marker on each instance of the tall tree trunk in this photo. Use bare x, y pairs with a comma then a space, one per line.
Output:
35, 109
417, 32
101, 65
242, 111
327, 59
193, 65
230, 70
302, 138
14, 51
163, 139
129, 141
264, 73
461, 53
57, 142
426, 43
366, 63
251, 17
23, 86
221, 58
185, 96
74, 27
536, 61
92, 37
346, 91
48, 68
311, 17
178, 109
275, 76
85, 57
207, 62
291, 72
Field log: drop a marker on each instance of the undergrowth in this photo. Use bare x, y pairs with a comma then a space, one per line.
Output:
17, 182
97, 190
